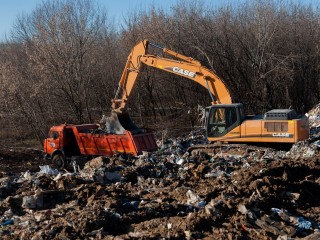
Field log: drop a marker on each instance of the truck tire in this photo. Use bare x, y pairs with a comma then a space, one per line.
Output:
58, 161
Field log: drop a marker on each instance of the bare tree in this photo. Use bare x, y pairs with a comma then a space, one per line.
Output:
62, 57
59, 39
65, 59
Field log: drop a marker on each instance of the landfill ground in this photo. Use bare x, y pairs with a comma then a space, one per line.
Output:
235, 192
232, 192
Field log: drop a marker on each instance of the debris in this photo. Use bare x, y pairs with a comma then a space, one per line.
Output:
29, 202
6, 222
47, 170
314, 116
242, 208
192, 197
303, 224
232, 192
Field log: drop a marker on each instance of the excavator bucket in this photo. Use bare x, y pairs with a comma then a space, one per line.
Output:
127, 123
118, 123
125, 136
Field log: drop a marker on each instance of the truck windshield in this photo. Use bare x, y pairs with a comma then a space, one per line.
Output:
54, 134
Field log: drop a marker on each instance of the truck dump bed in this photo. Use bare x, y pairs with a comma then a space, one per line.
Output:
98, 143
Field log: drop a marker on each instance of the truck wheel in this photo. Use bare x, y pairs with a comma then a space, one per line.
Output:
58, 161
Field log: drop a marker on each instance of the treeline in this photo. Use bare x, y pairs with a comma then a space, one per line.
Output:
63, 62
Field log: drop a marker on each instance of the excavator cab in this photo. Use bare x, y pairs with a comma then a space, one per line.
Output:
222, 118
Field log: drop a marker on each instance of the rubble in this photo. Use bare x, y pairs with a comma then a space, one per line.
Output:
233, 192
314, 123
314, 116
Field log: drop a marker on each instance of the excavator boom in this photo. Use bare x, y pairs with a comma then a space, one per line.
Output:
186, 67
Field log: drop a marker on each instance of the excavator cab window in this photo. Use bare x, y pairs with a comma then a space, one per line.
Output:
221, 120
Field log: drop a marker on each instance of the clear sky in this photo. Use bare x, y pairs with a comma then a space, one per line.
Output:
11, 9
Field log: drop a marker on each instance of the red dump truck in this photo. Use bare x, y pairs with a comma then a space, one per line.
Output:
67, 140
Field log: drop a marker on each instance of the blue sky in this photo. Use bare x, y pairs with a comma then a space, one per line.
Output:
11, 9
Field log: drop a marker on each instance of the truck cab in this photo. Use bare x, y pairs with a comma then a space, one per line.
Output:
54, 140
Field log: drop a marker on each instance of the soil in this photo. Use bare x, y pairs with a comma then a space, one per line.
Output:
19, 159
237, 193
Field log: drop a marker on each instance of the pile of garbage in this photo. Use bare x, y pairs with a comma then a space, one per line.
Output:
314, 116
236, 192
314, 123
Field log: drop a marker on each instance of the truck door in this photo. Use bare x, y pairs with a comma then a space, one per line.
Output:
53, 141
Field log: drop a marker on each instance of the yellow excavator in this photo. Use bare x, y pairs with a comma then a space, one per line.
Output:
225, 121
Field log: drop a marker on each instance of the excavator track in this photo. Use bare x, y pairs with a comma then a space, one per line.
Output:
217, 150
241, 150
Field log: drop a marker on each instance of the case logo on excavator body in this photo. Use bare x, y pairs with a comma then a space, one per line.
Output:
184, 72
280, 135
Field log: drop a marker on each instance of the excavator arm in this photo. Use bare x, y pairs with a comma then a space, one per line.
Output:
186, 67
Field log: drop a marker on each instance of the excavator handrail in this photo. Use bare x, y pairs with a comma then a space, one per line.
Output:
175, 54
186, 67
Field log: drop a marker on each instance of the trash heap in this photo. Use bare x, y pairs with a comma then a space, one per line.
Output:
314, 116
314, 123
237, 192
